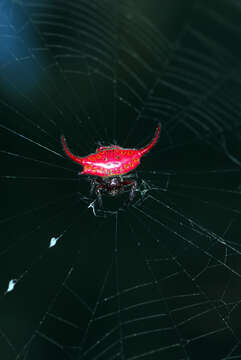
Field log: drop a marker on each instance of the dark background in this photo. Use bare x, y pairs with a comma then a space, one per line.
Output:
161, 279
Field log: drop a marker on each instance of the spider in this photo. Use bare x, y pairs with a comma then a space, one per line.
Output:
109, 166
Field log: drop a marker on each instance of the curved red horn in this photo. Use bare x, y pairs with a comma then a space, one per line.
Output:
152, 143
76, 159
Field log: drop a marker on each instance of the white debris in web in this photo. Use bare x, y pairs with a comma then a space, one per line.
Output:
53, 241
11, 285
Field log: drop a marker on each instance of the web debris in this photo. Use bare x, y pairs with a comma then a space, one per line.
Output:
11, 285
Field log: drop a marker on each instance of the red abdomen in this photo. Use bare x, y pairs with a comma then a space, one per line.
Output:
111, 160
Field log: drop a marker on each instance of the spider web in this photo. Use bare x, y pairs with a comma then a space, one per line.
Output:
161, 280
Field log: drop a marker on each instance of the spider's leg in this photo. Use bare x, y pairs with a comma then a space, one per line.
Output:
92, 186
132, 192
93, 182
99, 196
